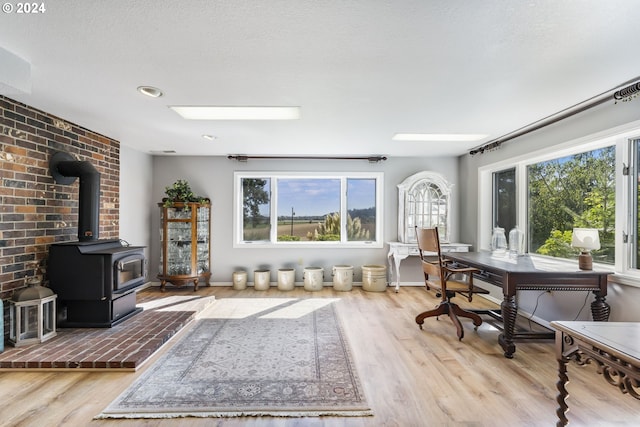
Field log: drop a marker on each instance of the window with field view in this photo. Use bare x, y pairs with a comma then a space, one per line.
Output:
361, 209
308, 209
288, 208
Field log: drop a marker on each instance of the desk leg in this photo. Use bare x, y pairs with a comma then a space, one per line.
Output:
390, 258
509, 314
563, 379
600, 310
397, 259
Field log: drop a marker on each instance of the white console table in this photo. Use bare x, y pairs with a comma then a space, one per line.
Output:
399, 251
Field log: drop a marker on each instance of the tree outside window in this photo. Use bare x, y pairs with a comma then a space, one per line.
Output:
568, 192
256, 223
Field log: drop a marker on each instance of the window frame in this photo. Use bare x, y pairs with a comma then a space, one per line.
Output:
496, 221
621, 139
631, 236
238, 241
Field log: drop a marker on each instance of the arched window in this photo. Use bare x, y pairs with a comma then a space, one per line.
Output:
423, 201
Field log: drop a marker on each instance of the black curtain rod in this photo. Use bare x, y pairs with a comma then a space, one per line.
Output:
370, 159
624, 90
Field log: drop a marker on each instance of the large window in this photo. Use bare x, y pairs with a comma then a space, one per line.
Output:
576, 191
286, 209
589, 183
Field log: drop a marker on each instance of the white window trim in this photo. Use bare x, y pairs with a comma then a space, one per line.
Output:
237, 210
619, 137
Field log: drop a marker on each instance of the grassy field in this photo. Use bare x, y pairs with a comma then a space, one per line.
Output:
300, 229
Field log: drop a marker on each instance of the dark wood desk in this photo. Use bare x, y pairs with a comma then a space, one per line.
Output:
614, 347
527, 273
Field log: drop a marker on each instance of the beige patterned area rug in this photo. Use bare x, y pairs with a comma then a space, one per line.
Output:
283, 357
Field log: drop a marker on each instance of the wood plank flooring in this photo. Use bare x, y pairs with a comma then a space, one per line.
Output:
411, 377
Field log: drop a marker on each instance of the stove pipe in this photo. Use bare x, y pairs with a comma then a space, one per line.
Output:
65, 168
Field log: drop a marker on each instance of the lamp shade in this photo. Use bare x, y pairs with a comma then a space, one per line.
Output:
585, 238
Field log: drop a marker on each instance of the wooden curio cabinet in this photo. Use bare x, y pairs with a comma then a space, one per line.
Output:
184, 235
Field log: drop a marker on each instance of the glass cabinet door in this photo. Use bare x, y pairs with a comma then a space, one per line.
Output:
179, 248
202, 239
184, 235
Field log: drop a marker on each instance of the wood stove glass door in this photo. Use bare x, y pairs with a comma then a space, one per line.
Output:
129, 271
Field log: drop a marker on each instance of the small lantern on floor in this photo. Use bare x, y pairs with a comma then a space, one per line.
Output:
32, 315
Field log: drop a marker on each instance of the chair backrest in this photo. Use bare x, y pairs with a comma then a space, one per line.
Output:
429, 241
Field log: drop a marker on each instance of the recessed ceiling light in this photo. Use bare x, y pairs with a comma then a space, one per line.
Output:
237, 113
151, 91
438, 137
209, 137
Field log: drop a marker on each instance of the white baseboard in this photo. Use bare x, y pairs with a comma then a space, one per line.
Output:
250, 284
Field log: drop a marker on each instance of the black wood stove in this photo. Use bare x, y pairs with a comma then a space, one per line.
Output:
95, 280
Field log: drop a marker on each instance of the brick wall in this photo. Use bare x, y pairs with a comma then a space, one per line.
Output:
34, 210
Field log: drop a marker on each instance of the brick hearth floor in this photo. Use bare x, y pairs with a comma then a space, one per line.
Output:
123, 347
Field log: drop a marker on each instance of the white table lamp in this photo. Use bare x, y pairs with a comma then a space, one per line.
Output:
585, 239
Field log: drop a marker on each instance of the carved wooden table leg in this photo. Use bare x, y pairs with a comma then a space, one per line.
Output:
611, 346
599, 308
509, 313
163, 284
563, 379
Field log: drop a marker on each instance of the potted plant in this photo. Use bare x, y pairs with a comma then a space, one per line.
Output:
180, 192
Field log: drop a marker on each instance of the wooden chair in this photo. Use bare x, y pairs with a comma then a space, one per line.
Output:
446, 280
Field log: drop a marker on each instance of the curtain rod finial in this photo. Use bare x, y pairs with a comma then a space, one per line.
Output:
238, 157
376, 159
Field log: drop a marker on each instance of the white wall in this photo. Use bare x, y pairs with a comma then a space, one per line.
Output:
213, 177
135, 197
601, 120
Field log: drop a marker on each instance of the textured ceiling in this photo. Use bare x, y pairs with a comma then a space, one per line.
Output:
360, 70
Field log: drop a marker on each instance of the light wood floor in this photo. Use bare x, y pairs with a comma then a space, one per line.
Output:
411, 377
